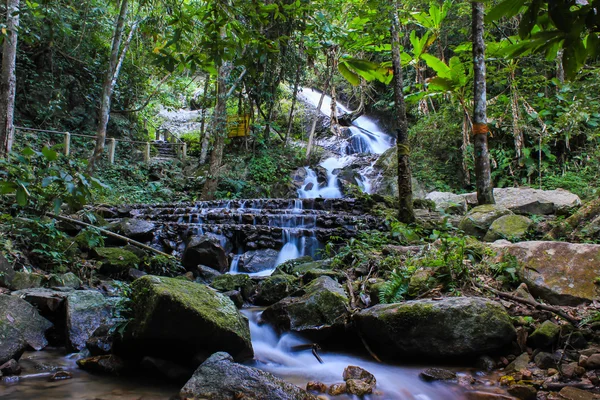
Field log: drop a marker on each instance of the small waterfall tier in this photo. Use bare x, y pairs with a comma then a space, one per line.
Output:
257, 235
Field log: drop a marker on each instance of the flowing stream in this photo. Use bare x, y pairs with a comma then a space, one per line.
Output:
364, 137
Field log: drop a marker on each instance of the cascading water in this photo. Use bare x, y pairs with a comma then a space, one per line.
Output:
365, 137
279, 355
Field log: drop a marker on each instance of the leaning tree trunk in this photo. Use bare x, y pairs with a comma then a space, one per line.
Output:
219, 133
405, 198
485, 193
204, 134
8, 82
108, 86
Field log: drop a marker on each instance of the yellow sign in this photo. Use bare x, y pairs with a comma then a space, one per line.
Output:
238, 126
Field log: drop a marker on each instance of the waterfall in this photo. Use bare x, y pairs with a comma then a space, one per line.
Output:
365, 137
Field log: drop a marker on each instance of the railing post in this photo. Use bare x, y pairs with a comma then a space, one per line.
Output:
147, 152
184, 152
67, 144
111, 150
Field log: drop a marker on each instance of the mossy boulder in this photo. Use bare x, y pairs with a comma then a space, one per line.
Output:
319, 310
27, 280
275, 288
116, 261
69, 280
219, 378
228, 282
452, 327
183, 321
18, 314
12, 343
545, 335
479, 219
313, 274
560, 273
420, 281
509, 227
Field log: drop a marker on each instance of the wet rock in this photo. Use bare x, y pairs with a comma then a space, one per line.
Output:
358, 387
275, 288
135, 273
486, 363
523, 392
236, 297
437, 374
60, 376
12, 343
337, 389
116, 261
545, 335
572, 393
545, 360
101, 342
354, 372
86, 311
64, 280
451, 327
259, 260
107, 364
205, 250
11, 367
448, 203
591, 362
571, 370
22, 316
176, 320
518, 363
479, 219
207, 273
219, 378
317, 313
168, 369
509, 227
137, 229
316, 386
228, 282
558, 272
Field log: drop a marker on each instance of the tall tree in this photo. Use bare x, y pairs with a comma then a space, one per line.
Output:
485, 193
117, 56
405, 199
8, 80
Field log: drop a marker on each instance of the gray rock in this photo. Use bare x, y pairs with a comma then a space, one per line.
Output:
64, 280
137, 229
452, 327
479, 219
259, 260
12, 343
86, 311
318, 313
437, 374
219, 378
207, 273
518, 363
205, 250
22, 316
236, 297
546, 360
449, 203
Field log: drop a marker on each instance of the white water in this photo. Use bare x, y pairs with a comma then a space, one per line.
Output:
276, 355
366, 137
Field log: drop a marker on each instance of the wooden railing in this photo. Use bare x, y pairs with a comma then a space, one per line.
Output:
177, 144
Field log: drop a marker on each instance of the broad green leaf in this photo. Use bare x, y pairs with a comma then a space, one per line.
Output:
50, 154
441, 84
56, 205
437, 65
508, 9
350, 76
21, 196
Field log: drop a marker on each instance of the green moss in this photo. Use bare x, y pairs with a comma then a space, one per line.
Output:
545, 335
227, 282
26, 280
510, 227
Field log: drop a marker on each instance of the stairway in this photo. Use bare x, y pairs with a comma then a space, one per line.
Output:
165, 150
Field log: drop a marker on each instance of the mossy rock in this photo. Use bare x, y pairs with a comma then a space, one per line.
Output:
289, 265
64, 280
509, 227
479, 219
313, 274
545, 335
227, 282
116, 261
179, 320
448, 328
275, 288
420, 281
319, 310
27, 280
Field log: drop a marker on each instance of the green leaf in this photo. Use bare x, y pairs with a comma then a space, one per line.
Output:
529, 19
350, 76
21, 196
438, 66
47, 181
56, 205
50, 154
508, 9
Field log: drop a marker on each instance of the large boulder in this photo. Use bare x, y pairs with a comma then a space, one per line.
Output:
452, 327
449, 203
27, 280
86, 311
510, 227
179, 320
115, 260
259, 260
560, 273
205, 250
275, 288
12, 343
137, 229
479, 219
219, 378
18, 315
533, 201
319, 311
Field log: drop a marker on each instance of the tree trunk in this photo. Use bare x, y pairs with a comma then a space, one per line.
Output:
8, 82
405, 199
485, 193
204, 134
219, 132
108, 86
294, 99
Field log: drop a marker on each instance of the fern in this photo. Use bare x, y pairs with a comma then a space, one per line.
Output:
394, 290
